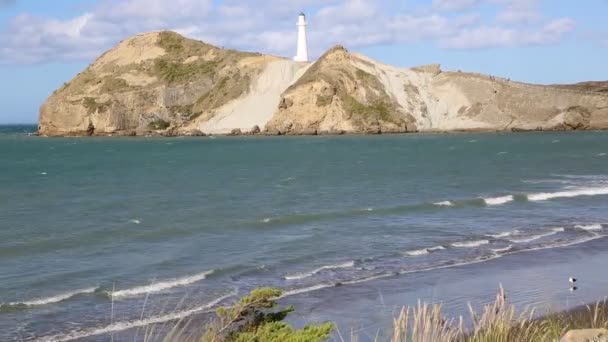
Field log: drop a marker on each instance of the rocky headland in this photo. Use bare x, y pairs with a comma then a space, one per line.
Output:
161, 83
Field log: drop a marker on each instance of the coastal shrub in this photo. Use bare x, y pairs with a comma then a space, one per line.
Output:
111, 84
159, 124
226, 90
92, 106
364, 76
171, 42
378, 109
324, 100
258, 318
173, 72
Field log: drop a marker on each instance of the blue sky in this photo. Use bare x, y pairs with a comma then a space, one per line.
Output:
45, 43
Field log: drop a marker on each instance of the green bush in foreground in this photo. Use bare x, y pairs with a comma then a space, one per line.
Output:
258, 318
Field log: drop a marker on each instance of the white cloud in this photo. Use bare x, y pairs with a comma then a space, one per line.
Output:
269, 26
494, 36
512, 16
450, 5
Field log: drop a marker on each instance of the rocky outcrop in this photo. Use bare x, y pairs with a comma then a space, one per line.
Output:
352, 93
161, 83
152, 82
586, 335
336, 95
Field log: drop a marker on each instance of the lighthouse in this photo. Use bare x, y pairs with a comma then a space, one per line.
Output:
302, 55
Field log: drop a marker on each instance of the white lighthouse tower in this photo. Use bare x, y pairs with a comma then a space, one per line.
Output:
302, 55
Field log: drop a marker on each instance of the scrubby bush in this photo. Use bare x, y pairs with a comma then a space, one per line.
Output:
159, 124
258, 318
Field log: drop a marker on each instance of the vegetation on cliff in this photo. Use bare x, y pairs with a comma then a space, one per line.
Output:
196, 86
345, 97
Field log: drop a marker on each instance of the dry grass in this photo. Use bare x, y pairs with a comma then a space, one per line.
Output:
497, 322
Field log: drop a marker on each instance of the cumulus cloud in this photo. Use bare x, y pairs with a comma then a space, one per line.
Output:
269, 26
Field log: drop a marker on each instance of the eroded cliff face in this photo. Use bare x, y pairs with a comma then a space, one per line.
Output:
163, 83
335, 95
344, 92
151, 82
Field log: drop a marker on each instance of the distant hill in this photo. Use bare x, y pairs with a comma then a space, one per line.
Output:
164, 83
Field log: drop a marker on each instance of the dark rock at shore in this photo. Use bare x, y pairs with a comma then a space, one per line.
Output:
236, 132
255, 130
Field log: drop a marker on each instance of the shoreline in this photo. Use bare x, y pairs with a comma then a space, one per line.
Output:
165, 134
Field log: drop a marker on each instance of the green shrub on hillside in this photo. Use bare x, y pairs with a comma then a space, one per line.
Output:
378, 109
257, 318
159, 124
177, 72
111, 84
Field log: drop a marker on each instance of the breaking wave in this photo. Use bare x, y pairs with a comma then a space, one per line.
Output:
504, 234
160, 286
470, 244
53, 299
590, 227
444, 204
545, 196
126, 325
499, 200
537, 237
298, 276
424, 251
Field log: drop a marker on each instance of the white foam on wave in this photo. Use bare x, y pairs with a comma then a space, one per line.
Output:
135, 221
298, 276
424, 251
160, 286
545, 196
601, 154
568, 244
470, 244
504, 234
502, 250
305, 290
464, 263
418, 252
54, 299
126, 325
444, 204
537, 237
267, 220
499, 200
591, 227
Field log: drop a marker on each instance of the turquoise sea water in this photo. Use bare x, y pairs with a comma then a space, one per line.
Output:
352, 227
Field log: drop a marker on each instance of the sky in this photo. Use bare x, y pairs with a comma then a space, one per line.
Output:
46, 43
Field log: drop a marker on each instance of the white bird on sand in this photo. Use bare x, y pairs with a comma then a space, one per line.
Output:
572, 280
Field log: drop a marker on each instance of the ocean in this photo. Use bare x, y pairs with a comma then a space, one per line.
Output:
101, 238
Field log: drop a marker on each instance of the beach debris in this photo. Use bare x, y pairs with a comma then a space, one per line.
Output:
572, 280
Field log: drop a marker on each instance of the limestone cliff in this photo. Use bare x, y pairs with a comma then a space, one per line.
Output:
337, 95
352, 93
158, 82
163, 83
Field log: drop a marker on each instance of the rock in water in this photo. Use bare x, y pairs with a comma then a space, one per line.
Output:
586, 335
236, 132
255, 130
